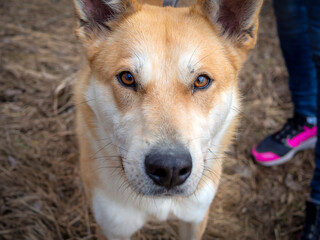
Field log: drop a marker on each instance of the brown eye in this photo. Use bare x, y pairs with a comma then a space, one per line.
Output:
202, 82
126, 79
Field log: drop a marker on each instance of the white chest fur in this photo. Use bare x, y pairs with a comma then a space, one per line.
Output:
120, 218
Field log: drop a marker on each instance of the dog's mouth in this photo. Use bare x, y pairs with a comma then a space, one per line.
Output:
171, 192
121, 163
155, 191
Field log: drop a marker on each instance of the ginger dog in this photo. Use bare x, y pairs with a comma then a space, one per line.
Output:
159, 100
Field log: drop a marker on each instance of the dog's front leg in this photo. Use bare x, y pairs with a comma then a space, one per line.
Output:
117, 221
101, 236
99, 233
193, 231
110, 230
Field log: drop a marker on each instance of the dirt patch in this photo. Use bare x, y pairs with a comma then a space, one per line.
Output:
41, 196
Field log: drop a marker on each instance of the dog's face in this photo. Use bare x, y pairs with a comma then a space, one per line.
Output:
163, 89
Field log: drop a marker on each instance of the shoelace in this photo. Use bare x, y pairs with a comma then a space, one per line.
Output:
292, 127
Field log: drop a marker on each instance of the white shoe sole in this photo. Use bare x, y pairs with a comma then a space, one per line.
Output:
306, 145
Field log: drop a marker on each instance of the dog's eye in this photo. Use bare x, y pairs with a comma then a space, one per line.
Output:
202, 82
126, 79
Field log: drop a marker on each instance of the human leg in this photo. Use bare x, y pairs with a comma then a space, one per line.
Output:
299, 132
292, 24
314, 29
311, 229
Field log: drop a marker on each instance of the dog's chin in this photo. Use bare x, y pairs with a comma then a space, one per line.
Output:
149, 189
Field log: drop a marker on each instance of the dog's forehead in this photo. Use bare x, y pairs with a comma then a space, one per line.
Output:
152, 65
168, 42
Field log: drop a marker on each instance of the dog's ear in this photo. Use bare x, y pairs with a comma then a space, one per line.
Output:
96, 18
237, 19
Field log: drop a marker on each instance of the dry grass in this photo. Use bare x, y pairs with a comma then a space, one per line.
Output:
41, 196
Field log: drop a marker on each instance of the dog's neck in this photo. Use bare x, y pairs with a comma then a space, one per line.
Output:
163, 3
171, 3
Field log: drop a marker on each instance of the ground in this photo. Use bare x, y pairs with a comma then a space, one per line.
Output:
41, 196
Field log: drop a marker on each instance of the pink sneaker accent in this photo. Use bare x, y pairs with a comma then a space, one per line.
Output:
301, 137
264, 157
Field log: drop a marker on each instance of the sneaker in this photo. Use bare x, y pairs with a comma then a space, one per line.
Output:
296, 135
311, 229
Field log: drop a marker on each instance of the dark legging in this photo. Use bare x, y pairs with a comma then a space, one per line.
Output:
298, 24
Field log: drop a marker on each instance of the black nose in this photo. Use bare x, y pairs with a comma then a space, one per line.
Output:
168, 167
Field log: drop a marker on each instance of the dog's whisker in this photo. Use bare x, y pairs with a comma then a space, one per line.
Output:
197, 138
202, 59
202, 181
100, 150
109, 167
211, 172
111, 158
212, 158
90, 100
131, 196
194, 51
107, 157
103, 139
123, 184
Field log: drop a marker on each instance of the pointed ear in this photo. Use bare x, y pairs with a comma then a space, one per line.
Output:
94, 18
237, 19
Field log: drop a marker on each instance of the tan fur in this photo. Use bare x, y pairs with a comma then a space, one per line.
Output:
152, 2
165, 101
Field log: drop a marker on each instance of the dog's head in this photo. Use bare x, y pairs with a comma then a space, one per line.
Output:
163, 87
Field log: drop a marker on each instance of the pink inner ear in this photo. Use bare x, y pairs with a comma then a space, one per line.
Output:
98, 10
